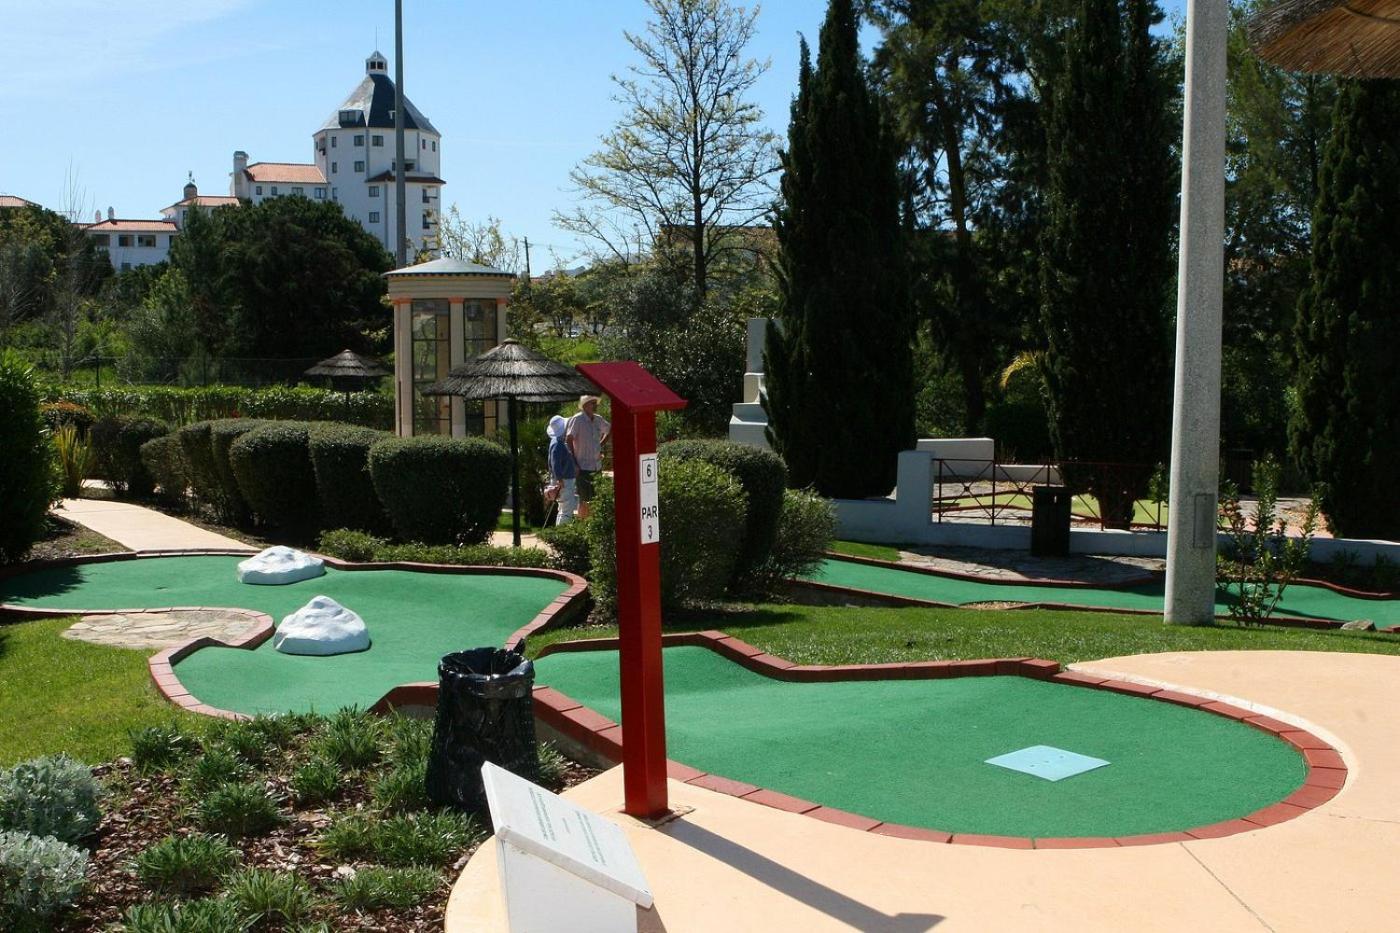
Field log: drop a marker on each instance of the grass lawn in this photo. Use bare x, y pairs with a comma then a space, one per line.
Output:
860, 549
59, 695
859, 635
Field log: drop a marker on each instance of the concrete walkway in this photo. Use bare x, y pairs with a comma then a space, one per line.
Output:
142, 529
726, 864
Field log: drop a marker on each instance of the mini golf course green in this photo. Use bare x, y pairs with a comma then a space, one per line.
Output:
913, 751
414, 619
1299, 601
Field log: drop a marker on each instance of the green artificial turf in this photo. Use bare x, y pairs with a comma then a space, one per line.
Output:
60, 695
913, 752
1298, 601
413, 619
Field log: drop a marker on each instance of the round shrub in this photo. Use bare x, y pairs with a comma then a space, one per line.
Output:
222, 434
805, 530
51, 796
39, 876
441, 489
26, 465
344, 489
199, 466
570, 545
763, 476
702, 515
60, 413
273, 466
117, 441
164, 460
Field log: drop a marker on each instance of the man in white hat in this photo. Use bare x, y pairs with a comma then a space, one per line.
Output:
586, 434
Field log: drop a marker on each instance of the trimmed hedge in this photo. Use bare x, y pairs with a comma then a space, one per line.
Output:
702, 515
441, 490
199, 467
272, 464
344, 488
359, 547
177, 405
764, 478
222, 434
117, 441
570, 545
57, 414
164, 459
26, 460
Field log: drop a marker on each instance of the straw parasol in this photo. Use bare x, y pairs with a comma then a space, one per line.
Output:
347, 369
514, 373
1353, 38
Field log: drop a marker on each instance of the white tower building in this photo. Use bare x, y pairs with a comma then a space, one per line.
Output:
355, 155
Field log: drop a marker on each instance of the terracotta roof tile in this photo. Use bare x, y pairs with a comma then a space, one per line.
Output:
134, 226
10, 200
288, 172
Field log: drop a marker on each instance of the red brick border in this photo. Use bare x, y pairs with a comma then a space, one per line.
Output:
893, 599
1327, 772
161, 665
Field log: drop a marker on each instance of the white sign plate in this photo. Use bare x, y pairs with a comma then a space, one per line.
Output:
563, 834
651, 514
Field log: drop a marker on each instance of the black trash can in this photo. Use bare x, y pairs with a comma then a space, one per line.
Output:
1050, 521
484, 713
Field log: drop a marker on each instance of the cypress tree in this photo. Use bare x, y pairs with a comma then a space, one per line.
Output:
840, 392
1345, 429
1106, 250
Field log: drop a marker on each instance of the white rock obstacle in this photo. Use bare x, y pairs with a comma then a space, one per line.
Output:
322, 627
278, 565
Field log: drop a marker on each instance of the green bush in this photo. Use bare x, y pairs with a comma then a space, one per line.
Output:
359, 547
237, 810
155, 748
39, 876
26, 473
117, 442
433, 838
222, 434
179, 866
206, 915
316, 782
570, 545
441, 490
75, 460
213, 769
164, 459
702, 515
805, 530
269, 899
402, 789
344, 489
57, 414
51, 796
410, 740
554, 767
764, 478
179, 405
200, 469
380, 888
352, 739
533, 438
273, 466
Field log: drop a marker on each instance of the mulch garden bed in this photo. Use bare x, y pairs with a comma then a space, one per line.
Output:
148, 804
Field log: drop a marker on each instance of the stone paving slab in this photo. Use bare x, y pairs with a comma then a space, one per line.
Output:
998, 564
160, 628
142, 529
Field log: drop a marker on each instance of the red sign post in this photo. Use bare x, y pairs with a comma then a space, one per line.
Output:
637, 396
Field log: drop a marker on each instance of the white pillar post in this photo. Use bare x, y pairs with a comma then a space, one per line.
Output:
1195, 467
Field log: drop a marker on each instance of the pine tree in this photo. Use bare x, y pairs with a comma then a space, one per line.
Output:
840, 372
1106, 264
1345, 430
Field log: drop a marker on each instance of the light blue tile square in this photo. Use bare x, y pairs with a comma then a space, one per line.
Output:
1046, 761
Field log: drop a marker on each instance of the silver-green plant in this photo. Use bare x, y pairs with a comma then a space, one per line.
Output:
39, 877
50, 796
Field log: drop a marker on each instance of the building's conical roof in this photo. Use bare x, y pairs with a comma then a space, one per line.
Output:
374, 97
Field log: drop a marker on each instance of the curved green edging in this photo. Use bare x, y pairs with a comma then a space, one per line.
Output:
414, 619
912, 751
1305, 602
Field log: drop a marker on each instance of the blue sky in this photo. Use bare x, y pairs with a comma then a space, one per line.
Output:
128, 97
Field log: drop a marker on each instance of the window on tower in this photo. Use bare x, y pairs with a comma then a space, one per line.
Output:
374, 217
374, 191
359, 139
332, 142
376, 140
425, 195
359, 166
335, 167
435, 145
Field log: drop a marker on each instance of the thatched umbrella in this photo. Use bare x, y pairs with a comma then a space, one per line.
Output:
516, 374
347, 369
1357, 39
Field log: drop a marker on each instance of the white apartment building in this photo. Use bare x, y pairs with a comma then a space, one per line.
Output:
131, 243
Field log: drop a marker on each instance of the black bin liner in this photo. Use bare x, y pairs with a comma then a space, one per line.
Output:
1050, 517
484, 713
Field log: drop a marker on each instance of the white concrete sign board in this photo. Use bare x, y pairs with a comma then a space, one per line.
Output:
562, 867
651, 514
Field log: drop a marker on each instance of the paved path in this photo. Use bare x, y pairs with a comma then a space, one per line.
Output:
142, 529
161, 628
729, 865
